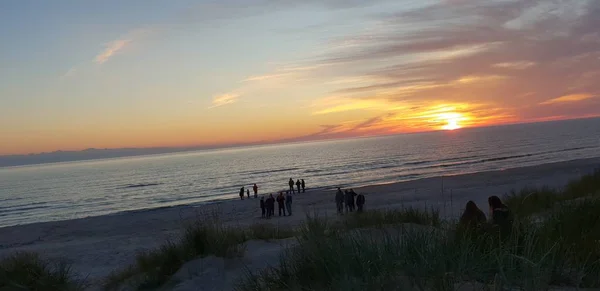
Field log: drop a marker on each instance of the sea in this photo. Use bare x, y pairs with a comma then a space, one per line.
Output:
60, 191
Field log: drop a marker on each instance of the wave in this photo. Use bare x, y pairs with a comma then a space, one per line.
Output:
141, 185
269, 171
503, 158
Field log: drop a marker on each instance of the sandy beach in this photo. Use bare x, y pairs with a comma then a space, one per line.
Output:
98, 245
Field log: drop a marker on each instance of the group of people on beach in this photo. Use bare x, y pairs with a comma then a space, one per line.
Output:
247, 192
473, 219
284, 200
349, 198
284, 203
300, 184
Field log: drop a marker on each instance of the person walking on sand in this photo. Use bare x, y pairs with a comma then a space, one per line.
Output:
280, 202
291, 183
339, 201
270, 206
360, 202
288, 203
303, 186
298, 185
262, 206
255, 188
248, 193
242, 193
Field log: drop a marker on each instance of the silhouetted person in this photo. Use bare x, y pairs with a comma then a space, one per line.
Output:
472, 217
288, 203
291, 183
248, 192
303, 186
298, 185
360, 202
500, 215
348, 199
339, 200
270, 206
352, 199
280, 202
262, 206
242, 193
255, 188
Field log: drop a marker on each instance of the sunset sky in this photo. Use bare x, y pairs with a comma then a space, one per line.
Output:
148, 73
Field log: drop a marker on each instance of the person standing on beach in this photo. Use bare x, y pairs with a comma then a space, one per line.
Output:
280, 202
242, 193
255, 188
303, 186
298, 185
262, 206
288, 203
270, 206
348, 198
339, 201
291, 183
352, 198
360, 202
248, 192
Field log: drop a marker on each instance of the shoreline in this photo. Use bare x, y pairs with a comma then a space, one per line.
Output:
98, 245
329, 188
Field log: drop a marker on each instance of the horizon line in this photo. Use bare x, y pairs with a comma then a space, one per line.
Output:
174, 149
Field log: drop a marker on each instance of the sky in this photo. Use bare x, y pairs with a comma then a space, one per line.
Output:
148, 73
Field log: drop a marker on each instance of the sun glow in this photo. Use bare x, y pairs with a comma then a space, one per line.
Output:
452, 120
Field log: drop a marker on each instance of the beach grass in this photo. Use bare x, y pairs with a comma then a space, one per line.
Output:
156, 267
28, 271
414, 248
532, 257
210, 237
530, 201
380, 218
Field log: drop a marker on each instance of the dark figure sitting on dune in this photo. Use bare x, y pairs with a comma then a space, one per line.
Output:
501, 216
472, 217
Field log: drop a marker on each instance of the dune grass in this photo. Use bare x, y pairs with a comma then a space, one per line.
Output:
154, 268
534, 200
379, 218
532, 257
27, 271
563, 249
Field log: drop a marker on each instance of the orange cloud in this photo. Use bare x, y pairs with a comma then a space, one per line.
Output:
568, 98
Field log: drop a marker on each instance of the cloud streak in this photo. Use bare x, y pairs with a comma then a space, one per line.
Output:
111, 50
224, 99
509, 57
568, 98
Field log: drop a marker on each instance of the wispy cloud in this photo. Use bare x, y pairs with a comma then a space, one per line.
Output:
71, 72
224, 99
111, 49
514, 65
568, 98
510, 58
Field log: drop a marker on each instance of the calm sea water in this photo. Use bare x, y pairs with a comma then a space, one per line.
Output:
79, 189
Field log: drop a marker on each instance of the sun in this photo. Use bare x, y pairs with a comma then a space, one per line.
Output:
452, 120
452, 125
